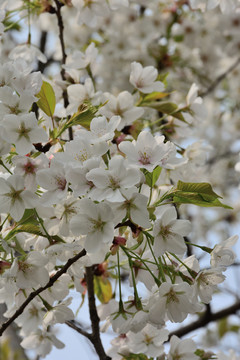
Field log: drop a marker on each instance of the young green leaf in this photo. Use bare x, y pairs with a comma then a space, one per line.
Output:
47, 99
103, 289
152, 177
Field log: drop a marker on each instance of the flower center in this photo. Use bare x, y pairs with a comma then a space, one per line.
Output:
61, 182
23, 131
29, 168
144, 158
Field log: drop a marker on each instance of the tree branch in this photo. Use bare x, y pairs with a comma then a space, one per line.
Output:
64, 57
217, 81
206, 319
95, 336
33, 294
76, 326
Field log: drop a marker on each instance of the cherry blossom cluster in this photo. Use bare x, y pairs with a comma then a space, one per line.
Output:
97, 167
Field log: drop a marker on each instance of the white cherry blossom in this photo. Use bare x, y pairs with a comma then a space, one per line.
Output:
95, 221
144, 78
149, 151
169, 232
14, 199
22, 131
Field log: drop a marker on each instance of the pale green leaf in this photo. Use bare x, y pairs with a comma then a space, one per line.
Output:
103, 289
47, 99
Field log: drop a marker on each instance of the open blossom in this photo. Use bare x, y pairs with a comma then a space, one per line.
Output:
22, 131
103, 130
12, 103
134, 206
95, 221
110, 183
80, 60
41, 342
222, 254
78, 93
148, 341
90, 11
122, 105
144, 78
169, 232
30, 272
27, 167
195, 104
182, 349
14, 199
150, 151
53, 179
206, 283
174, 300
226, 6
58, 314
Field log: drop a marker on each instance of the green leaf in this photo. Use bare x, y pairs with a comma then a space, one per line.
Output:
28, 228
200, 194
103, 289
84, 116
136, 357
152, 177
47, 99
155, 96
164, 106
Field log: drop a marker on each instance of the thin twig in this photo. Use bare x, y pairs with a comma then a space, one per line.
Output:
221, 77
35, 293
64, 57
206, 319
76, 326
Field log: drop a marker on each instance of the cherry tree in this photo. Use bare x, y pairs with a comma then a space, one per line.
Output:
119, 142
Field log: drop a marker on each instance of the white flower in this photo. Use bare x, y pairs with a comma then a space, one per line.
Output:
64, 211
41, 342
28, 52
169, 233
206, 283
150, 151
174, 300
222, 255
148, 341
77, 177
30, 272
110, 183
144, 79
81, 60
79, 150
226, 6
12, 103
22, 131
13, 198
54, 181
133, 206
89, 11
31, 318
27, 167
195, 104
78, 93
58, 314
95, 221
122, 105
182, 349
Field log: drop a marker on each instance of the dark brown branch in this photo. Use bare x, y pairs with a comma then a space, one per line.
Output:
64, 56
76, 326
221, 77
206, 319
95, 336
35, 293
